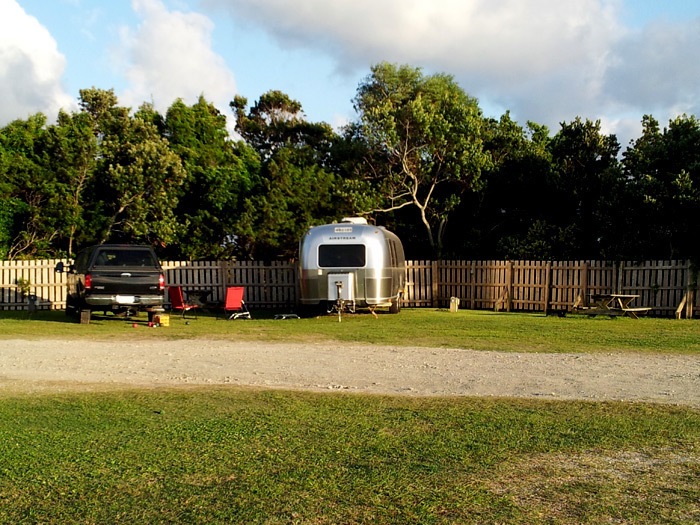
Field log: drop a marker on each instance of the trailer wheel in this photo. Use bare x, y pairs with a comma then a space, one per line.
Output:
395, 307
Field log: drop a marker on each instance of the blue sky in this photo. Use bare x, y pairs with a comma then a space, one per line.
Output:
544, 60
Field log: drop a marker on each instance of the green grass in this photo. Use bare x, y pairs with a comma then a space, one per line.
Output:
248, 456
480, 330
231, 455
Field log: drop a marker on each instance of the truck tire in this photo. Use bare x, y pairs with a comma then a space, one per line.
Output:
72, 310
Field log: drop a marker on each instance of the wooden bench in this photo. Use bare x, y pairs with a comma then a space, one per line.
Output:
593, 311
633, 312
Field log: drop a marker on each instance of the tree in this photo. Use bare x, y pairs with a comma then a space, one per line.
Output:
291, 195
31, 216
589, 175
516, 214
664, 172
71, 147
218, 177
294, 188
138, 177
276, 121
422, 138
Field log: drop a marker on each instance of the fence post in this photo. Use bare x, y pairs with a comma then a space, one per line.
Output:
296, 268
472, 282
690, 307
509, 285
223, 277
435, 271
620, 277
584, 283
692, 290
547, 286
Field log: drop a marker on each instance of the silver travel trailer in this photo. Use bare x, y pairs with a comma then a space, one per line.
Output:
352, 263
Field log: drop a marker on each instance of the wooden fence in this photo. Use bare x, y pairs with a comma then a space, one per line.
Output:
537, 286
268, 284
546, 286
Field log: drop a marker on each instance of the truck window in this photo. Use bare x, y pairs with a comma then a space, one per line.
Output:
81, 261
142, 258
341, 255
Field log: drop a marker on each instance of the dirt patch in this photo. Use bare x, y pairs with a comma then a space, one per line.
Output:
68, 365
619, 484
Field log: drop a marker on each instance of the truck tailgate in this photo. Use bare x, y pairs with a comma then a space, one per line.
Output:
126, 282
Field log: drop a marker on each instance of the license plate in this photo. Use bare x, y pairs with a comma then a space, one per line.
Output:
126, 299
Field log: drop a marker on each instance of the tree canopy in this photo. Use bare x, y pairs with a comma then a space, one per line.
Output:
294, 189
422, 138
420, 158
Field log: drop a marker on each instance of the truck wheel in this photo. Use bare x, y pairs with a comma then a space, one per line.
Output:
71, 309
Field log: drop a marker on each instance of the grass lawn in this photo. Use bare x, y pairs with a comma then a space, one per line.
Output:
480, 330
232, 455
248, 456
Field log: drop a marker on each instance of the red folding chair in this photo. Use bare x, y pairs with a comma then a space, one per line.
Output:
177, 303
234, 305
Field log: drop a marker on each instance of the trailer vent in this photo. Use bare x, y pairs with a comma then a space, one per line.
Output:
354, 220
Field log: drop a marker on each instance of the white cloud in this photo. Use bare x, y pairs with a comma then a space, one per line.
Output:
545, 60
338, 122
169, 56
542, 59
30, 67
657, 68
499, 43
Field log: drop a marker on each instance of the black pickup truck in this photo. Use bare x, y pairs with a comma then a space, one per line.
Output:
120, 278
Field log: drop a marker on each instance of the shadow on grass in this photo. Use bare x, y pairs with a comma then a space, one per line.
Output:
50, 316
60, 316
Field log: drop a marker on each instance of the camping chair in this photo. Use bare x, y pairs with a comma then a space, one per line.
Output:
234, 303
176, 302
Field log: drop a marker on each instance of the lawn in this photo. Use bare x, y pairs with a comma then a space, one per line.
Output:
236, 455
479, 330
249, 456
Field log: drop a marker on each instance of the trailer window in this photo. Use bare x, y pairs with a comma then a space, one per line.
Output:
341, 255
392, 252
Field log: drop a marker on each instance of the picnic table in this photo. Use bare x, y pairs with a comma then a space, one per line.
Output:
613, 304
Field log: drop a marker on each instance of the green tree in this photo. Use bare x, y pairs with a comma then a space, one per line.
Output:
664, 169
138, 177
218, 177
295, 188
71, 149
422, 138
31, 216
589, 175
276, 121
516, 214
291, 195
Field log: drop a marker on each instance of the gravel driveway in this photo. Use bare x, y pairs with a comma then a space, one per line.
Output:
61, 365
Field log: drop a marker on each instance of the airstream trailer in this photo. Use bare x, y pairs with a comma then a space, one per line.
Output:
354, 263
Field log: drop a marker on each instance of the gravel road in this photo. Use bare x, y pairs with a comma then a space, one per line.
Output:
64, 365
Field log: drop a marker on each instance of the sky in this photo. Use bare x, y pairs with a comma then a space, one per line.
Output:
546, 61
